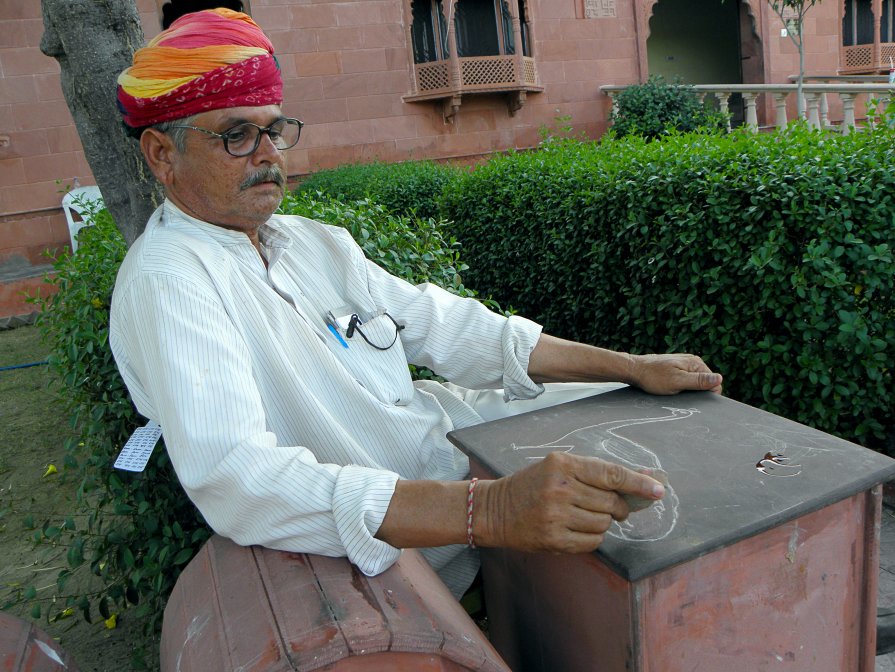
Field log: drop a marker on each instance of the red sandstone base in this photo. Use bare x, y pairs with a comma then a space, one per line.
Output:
26, 648
800, 597
258, 610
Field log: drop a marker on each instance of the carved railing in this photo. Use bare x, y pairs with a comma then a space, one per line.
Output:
865, 58
856, 101
451, 79
476, 74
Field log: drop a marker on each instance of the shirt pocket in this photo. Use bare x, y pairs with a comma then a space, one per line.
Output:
375, 357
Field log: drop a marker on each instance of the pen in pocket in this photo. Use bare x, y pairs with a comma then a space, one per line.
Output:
337, 335
331, 325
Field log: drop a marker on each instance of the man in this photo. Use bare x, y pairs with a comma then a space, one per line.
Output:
274, 356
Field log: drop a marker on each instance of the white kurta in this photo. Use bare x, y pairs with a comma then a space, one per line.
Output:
280, 434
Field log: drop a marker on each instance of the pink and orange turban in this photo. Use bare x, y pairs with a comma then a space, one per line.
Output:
205, 61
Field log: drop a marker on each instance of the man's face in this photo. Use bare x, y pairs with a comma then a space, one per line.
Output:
210, 184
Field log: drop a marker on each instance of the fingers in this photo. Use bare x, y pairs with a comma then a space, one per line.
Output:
562, 504
606, 476
581, 531
670, 374
705, 378
709, 381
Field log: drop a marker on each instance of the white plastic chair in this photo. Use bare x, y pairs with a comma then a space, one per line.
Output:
74, 204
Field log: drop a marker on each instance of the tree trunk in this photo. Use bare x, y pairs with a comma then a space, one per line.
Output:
93, 41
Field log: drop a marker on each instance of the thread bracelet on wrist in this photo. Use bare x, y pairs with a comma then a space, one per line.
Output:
470, 507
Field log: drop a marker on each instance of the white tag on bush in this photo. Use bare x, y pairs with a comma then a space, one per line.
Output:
136, 452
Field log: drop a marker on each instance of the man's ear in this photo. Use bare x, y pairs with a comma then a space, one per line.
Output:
159, 151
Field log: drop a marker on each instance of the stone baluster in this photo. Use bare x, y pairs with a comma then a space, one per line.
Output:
724, 107
812, 101
848, 112
824, 111
780, 106
751, 113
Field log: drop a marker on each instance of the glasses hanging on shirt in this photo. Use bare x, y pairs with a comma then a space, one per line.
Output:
354, 327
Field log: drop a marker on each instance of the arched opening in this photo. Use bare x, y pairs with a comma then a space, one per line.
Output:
705, 43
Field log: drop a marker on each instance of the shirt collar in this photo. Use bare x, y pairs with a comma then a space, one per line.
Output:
272, 235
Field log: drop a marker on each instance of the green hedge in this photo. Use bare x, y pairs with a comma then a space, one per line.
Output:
769, 255
411, 187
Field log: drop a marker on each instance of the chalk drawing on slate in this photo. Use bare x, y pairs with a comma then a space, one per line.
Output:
650, 524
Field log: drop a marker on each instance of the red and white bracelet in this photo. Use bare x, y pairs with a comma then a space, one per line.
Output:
470, 506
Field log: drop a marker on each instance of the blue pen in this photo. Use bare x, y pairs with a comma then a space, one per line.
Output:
337, 335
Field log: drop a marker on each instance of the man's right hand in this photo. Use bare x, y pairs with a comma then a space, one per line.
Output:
561, 504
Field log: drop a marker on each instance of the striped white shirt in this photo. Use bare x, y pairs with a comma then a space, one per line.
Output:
280, 434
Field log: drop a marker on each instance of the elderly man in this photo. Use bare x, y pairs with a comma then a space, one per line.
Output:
274, 356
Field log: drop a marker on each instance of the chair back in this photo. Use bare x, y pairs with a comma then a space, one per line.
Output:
77, 211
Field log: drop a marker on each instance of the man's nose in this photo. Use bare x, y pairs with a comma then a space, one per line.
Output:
267, 151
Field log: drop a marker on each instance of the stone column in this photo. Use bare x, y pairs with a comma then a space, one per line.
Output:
780, 106
751, 114
517, 38
848, 112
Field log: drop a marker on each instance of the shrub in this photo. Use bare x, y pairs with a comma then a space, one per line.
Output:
657, 108
769, 255
411, 187
141, 529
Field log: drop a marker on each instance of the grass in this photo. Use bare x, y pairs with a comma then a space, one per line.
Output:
26, 404
35, 427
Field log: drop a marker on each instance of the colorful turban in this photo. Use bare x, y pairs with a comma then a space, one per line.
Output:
205, 61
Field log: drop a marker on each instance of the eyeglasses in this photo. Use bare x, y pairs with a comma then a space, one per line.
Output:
354, 328
243, 139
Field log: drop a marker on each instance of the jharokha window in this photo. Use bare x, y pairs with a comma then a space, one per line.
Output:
868, 36
470, 46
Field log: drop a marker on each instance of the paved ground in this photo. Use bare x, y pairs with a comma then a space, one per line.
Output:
886, 596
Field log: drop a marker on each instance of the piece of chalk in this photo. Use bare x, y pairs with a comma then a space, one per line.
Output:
636, 503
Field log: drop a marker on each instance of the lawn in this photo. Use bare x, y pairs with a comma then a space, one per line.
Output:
35, 427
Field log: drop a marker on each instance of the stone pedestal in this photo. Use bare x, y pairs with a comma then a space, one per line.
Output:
763, 554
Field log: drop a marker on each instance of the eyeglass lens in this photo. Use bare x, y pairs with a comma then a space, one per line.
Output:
245, 138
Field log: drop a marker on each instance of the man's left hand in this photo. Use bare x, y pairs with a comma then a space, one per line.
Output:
670, 374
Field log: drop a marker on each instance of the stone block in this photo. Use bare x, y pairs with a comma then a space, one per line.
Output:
250, 608
26, 648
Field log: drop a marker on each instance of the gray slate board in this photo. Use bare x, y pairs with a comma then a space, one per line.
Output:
733, 470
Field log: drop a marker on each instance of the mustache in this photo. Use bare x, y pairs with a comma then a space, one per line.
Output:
265, 174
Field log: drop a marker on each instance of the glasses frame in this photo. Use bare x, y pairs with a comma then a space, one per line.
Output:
354, 325
225, 136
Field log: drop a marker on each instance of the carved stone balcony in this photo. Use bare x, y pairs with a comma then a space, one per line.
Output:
863, 58
449, 80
